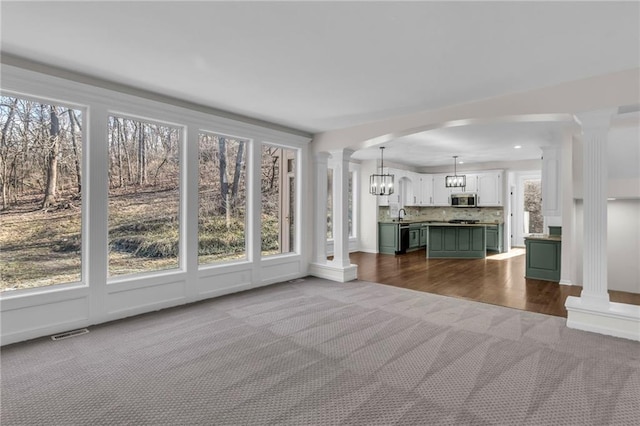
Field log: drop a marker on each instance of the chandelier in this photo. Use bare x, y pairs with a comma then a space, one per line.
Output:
381, 184
455, 181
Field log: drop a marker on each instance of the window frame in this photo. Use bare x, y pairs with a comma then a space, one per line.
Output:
83, 282
249, 143
182, 203
298, 156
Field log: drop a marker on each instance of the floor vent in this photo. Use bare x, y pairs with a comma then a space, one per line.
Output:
68, 334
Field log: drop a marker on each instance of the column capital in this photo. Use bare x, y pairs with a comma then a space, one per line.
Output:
341, 154
321, 157
596, 122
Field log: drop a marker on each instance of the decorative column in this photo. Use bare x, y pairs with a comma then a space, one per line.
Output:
593, 311
320, 233
340, 268
594, 266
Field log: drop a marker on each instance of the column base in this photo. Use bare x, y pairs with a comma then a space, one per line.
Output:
613, 319
333, 272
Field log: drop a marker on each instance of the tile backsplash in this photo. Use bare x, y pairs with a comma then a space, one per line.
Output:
482, 214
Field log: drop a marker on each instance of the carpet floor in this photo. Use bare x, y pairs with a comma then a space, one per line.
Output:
315, 352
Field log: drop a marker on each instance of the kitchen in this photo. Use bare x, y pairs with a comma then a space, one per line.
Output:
424, 201
452, 213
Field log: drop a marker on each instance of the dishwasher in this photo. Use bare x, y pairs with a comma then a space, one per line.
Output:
403, 239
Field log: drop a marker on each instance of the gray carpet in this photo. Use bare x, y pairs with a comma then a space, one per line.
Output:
318, 352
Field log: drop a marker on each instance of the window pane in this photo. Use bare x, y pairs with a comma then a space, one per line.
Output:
221, 221
144, 196
278, 200
41, 205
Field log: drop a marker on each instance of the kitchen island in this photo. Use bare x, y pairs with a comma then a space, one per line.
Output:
458, 238
543, 253
457, 241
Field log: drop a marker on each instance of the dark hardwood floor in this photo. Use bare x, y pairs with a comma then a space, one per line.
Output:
498, 280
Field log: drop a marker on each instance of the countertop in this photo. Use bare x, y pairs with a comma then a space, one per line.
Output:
546, 237
439, 223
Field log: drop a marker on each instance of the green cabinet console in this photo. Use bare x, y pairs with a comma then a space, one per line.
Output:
389, 236
495, 237
543, 258
424, 235
466, 242
388, 242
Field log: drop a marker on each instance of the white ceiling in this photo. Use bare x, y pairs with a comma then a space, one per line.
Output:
474, 143
318, 66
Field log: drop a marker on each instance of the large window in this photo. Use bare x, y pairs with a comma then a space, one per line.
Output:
41, 203
144, 196
278, 186
222, 189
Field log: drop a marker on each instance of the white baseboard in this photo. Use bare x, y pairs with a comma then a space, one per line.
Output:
334, 273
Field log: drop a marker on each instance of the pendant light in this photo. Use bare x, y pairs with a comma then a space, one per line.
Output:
455, 181
381, 184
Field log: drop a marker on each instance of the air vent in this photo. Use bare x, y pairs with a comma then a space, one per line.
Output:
68, 334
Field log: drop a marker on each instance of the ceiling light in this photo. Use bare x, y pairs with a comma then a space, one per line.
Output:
455, 181
381, 184
517, 147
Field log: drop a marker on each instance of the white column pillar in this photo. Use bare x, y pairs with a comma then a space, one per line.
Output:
594, 286
340, 268
340, 160
593, 311
320, 233
567, 265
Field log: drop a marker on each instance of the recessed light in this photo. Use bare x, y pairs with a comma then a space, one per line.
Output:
517, 147
460, 162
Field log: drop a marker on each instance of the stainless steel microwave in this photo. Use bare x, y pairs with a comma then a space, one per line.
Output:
464, 200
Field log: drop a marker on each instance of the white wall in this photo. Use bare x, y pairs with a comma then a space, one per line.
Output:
623, 248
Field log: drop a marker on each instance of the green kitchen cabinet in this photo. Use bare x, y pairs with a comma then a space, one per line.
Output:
456, 242
543, 258
495, 237
414, 237
424, 236
388, 238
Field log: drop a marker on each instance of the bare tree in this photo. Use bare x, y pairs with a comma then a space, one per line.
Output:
224, 183
142, 156
238, 170
4, 153
53, 153
73, 122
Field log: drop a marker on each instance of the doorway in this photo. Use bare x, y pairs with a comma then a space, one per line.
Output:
527, 209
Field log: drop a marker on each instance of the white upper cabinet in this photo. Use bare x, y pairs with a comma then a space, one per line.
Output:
472, 182
426, 190
419, 189
407, 186
490, 189
441, 194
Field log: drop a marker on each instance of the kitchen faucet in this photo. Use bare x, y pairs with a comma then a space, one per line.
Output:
403, 211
